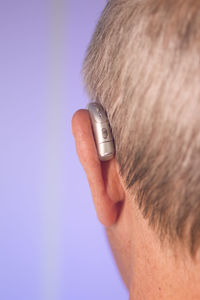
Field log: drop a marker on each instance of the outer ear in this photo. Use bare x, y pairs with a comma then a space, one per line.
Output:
106, 188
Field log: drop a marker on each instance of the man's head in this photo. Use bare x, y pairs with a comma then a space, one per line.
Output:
143, 66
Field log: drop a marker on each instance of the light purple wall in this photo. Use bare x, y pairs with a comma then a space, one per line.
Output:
23, 84
51, 244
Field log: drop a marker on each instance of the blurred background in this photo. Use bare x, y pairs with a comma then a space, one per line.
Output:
51, 244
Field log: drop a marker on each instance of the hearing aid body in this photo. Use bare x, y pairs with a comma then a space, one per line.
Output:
102, 131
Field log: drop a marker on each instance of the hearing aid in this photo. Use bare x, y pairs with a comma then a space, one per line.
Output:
102, 131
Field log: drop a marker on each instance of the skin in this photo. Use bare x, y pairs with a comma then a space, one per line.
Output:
149, 270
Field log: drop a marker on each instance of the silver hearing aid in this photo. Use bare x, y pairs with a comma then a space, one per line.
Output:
102, 131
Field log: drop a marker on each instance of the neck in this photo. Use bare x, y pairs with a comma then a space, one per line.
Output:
158, 272
167, 284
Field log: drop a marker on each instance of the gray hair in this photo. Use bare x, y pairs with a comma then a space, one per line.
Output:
143, 66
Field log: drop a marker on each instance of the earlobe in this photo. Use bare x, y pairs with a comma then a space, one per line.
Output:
101, 175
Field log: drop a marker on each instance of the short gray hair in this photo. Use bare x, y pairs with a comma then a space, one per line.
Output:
143, 66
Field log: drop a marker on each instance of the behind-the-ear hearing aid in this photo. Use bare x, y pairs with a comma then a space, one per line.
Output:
102, 131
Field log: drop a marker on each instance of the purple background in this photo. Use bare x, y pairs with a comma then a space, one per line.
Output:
51, 244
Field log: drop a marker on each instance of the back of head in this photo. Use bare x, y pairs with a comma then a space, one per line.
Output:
143, 66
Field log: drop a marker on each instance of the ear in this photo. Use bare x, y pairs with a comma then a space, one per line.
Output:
103, 177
